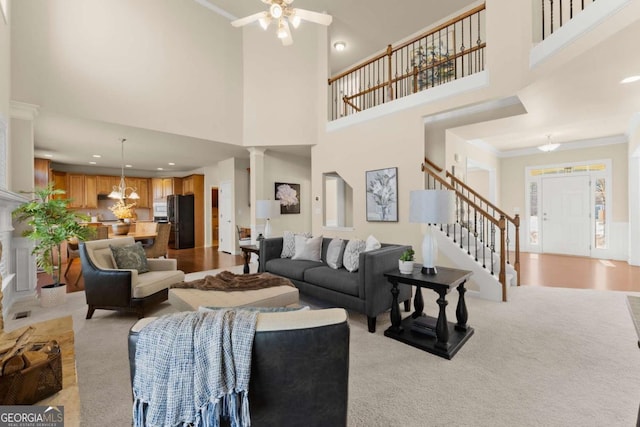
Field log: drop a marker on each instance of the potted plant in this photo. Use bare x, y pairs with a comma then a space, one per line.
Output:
122, 211
405, 263
50, 223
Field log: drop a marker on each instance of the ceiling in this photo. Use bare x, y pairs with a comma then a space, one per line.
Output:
556, 102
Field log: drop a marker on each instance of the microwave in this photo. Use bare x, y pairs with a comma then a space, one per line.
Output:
160, 209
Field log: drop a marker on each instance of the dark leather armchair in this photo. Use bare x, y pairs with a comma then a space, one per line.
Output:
299, 368
109, 288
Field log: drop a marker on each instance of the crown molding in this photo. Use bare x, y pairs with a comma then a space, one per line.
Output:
23, 110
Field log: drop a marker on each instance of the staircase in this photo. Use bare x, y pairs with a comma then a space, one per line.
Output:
480, 239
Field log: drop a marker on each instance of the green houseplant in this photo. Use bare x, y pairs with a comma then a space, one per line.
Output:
405, 263
50, 223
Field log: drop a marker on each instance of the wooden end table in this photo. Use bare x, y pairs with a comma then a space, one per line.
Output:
449, 337
247, 250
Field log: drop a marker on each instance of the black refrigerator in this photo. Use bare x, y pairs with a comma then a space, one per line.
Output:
180, 215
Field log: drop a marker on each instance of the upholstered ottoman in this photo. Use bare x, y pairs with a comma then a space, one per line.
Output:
191, 299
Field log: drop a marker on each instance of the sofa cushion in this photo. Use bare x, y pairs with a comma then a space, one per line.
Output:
290, 268
337, 280
309, 248
154, 281
130, 257
351, 258
335, 253
289, 243
372, 244
103, 258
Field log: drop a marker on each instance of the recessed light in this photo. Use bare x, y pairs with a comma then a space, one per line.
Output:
92, 163
96, 156
171, 164
339, 46
630, 79
128, 166
160, 169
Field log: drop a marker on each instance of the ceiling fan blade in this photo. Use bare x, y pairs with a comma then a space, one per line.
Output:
318, 18
287, 40
248, 19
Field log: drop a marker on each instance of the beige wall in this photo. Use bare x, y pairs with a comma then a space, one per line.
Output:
5, 69
178, 70
281, 105
281, 167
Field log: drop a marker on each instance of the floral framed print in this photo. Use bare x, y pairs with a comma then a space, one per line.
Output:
382, 195
289, 197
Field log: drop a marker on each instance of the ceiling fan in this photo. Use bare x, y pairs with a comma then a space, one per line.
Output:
281, 12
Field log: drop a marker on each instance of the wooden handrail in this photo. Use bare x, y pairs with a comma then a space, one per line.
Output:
475, 193
442, 26
466, 199
433, 165
350, 104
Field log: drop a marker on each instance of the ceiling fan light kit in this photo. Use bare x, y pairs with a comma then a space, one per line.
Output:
279, 10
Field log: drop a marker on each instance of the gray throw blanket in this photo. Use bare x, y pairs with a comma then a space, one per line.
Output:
193, 368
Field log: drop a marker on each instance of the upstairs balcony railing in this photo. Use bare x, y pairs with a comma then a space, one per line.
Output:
450, 51
556, 13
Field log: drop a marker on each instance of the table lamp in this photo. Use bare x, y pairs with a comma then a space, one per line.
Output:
267, 209
431, 207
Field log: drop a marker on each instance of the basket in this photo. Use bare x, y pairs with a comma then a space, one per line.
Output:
35, 382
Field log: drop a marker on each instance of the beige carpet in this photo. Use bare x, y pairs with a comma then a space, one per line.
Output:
549, 357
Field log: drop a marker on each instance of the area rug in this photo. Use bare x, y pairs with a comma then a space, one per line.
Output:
550, 356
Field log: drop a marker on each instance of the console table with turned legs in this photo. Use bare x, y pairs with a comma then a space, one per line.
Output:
448, 337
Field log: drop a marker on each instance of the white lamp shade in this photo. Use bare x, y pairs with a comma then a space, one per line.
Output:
267, 209
432, 206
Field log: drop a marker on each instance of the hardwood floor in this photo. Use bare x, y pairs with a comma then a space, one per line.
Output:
536, 270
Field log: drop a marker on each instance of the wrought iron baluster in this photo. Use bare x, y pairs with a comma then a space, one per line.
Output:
484, 245
469, 229
475, 233
551, 10
493, 245
543, 35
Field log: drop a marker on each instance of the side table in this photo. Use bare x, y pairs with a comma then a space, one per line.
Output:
449, 337
247, 250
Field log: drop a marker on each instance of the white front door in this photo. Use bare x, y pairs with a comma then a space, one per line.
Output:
225, 218
566, 204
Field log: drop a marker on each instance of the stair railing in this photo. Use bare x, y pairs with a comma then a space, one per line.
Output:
512, 222
478, 225
450, 51
556, 13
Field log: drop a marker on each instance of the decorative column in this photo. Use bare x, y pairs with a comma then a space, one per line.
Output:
257, 190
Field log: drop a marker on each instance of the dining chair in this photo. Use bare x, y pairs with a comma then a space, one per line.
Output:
73, 251
159, 247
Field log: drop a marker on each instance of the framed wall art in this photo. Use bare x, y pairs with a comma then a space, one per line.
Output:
289, 197
382, 195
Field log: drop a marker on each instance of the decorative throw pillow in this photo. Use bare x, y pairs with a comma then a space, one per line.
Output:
130, 257
335, 253
351, 258
289, 243
309, 248
372, 244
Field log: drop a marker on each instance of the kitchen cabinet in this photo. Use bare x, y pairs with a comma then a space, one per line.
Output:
42, 172
59, 183
163, 187
82, 191
142, 188
104, 184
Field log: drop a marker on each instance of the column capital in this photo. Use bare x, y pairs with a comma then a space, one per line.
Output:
255, 151
23, 110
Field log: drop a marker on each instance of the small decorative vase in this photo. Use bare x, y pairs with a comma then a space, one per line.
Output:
406, 267
120, 228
